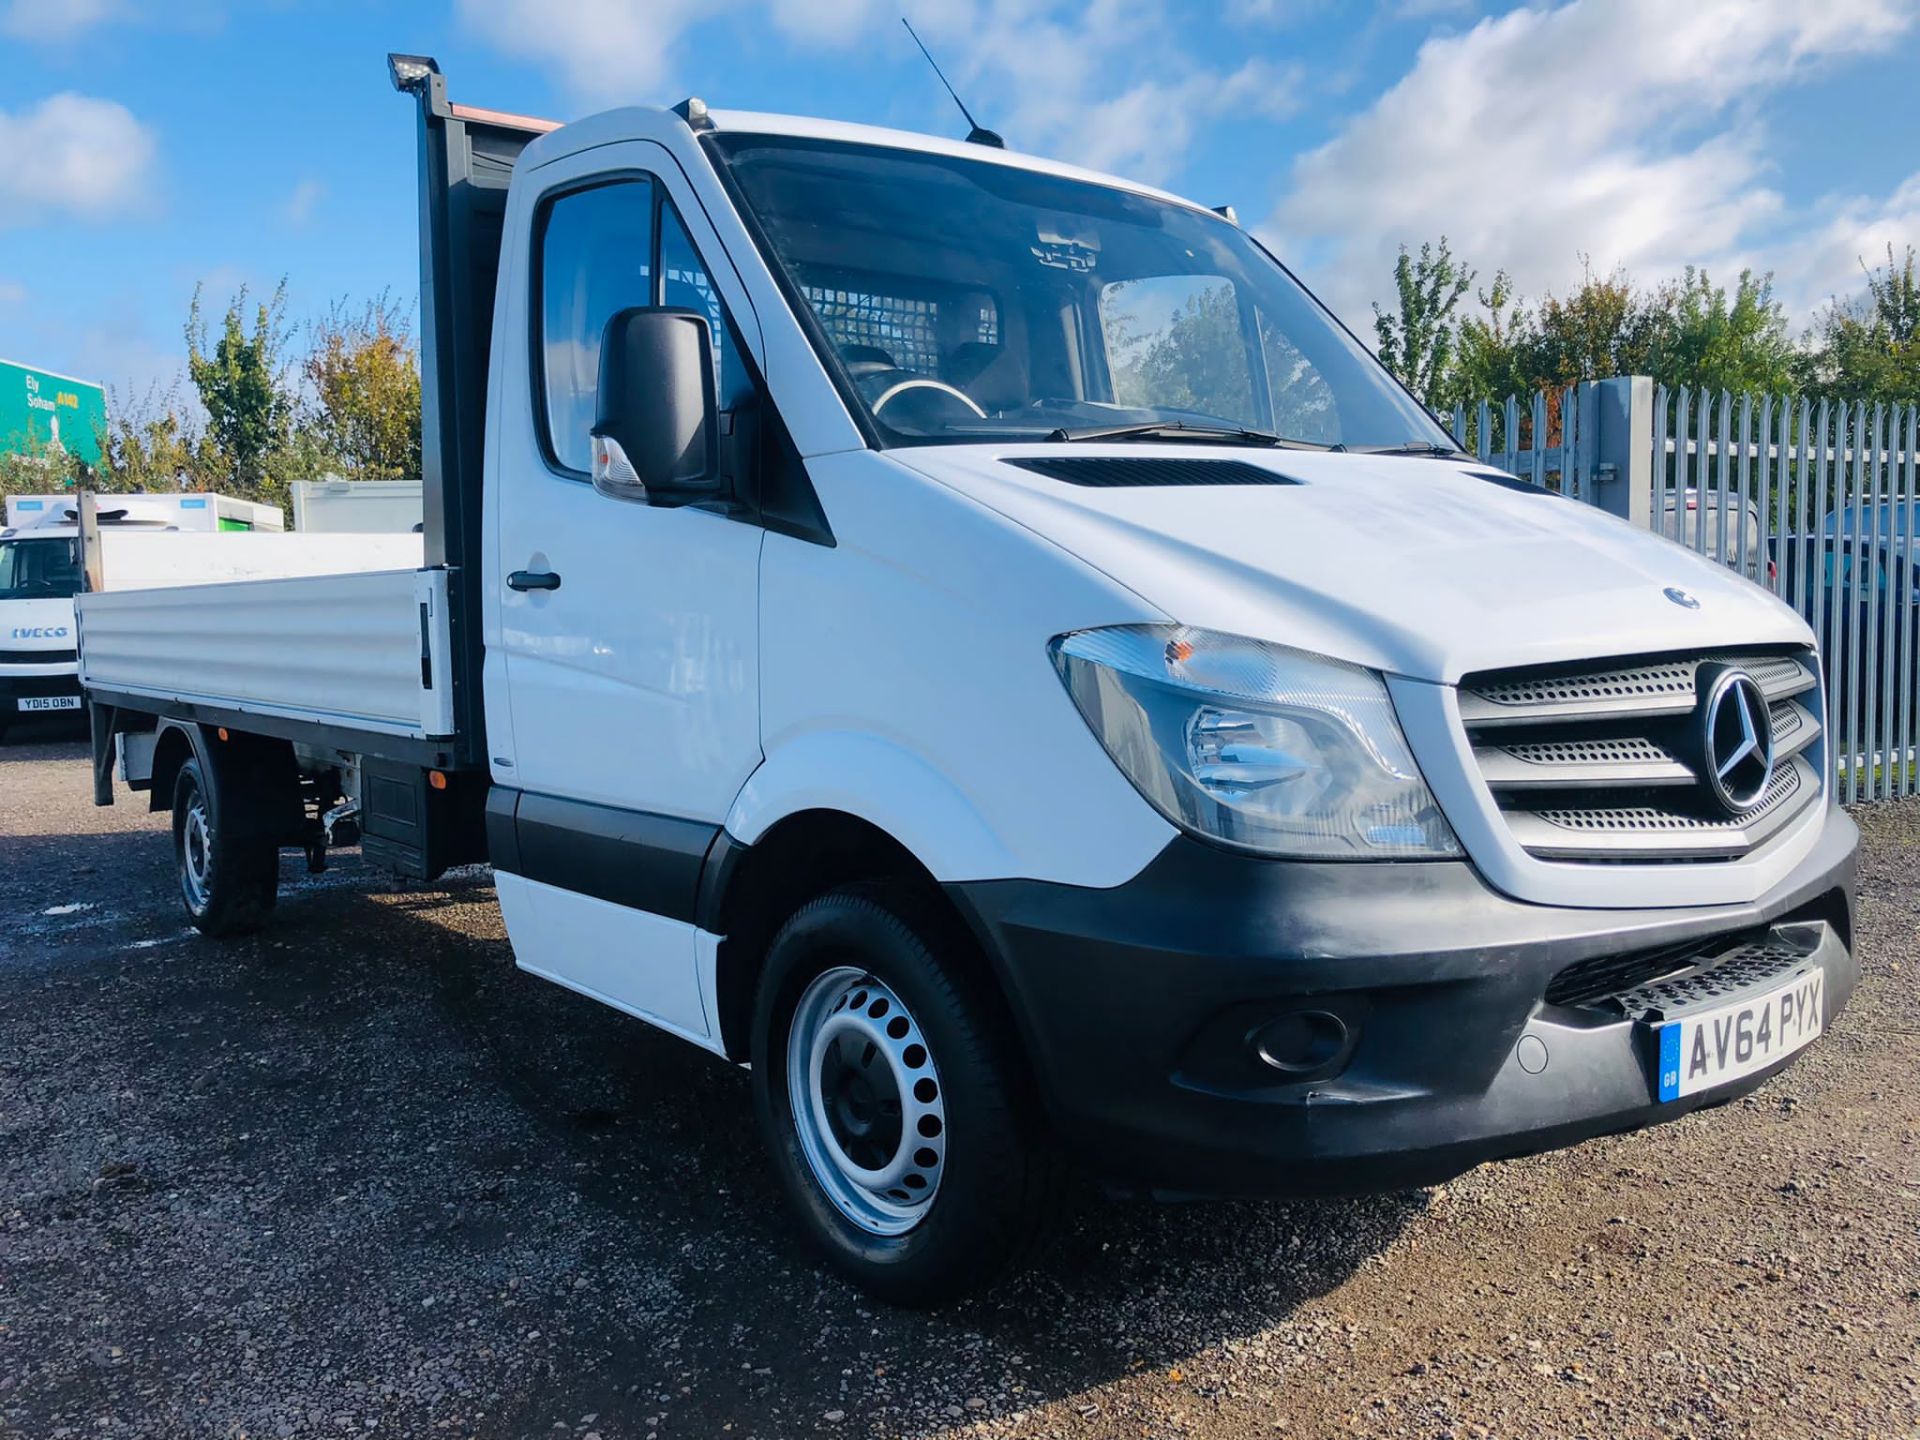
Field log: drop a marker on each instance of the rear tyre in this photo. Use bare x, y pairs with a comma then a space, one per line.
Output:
228, 877
892, 1099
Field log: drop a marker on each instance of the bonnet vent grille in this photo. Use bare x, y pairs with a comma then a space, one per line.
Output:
1117, 471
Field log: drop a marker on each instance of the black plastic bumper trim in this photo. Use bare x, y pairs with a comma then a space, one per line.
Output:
1137, 1004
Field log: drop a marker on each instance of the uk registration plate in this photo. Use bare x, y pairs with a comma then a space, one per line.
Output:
1700, 1051
49, 702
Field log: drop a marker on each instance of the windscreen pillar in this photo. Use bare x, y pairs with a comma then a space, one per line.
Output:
1616, 431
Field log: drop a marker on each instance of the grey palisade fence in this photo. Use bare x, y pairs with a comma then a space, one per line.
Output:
1818, 500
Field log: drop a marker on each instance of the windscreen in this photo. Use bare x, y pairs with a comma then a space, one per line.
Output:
39, 569
963, 300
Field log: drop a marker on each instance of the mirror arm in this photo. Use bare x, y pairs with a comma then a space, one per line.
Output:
739, 455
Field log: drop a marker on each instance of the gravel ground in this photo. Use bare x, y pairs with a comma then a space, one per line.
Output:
358, 1174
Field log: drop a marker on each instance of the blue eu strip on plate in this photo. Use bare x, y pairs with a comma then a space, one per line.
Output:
1670, 1062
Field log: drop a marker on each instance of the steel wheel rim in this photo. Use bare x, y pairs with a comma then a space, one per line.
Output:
867, 1102
196, 852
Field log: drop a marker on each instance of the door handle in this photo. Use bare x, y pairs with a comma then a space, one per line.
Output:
533, 580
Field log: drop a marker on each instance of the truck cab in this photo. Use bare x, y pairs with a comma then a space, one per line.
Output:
976, 641
39, 576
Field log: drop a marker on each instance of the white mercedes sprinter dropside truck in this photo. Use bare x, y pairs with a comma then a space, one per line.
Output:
976, 641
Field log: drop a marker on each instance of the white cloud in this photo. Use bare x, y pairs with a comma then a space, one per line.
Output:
605, 52
62, 22
1824, 261
55, 20
73, 155
1622, 130
1270, 12
834, 22
1105, 83
299, 206
1146, 130
1625, 131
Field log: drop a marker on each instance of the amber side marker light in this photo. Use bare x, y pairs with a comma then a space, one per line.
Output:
437, 779
222, 733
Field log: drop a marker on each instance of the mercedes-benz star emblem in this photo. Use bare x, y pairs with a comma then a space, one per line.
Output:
1738, 741
1681, 597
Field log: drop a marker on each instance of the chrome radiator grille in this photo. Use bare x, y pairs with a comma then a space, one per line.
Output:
1610, 761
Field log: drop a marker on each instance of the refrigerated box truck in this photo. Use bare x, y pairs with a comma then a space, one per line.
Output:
357, 506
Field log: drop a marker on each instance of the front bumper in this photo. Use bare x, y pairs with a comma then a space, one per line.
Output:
1143, 1008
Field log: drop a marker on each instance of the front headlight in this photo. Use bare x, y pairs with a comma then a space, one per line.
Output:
1254, 745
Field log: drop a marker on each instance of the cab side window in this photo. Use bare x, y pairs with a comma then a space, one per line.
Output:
595, 258
613, 247
685, 285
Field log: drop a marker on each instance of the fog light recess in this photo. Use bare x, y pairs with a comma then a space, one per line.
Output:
1302, 1042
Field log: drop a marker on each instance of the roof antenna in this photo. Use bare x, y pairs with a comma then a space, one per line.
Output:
978, 135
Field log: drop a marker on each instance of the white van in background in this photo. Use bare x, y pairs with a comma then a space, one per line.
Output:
41, 572
1722, 528
357, 507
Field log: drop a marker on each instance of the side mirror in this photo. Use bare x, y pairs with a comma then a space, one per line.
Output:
654, 432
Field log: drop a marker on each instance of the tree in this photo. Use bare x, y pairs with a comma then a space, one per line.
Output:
364, 372
154, 443
1195, 360
1602, 327
1700, 338
242, 380
1869, 349
1494, 355
1687, 332
41, 470
1417, 340
347, 402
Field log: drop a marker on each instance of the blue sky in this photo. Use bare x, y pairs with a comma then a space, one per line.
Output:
148, 147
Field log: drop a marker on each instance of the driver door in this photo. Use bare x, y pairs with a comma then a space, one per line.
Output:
629, 632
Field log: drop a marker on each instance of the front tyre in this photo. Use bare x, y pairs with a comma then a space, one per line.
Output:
228, 879
892, 1099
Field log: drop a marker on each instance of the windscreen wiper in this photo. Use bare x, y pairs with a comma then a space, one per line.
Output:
1431, 449
1181, 430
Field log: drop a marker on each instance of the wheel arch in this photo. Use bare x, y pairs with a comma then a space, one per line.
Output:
176, 744
747, 892
898, 791
257, 771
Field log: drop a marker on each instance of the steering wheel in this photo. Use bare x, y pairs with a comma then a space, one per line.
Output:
922, 382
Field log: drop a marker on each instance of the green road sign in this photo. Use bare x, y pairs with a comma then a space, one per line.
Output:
39, 409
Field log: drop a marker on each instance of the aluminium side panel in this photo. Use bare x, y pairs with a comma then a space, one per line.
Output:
366, 651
